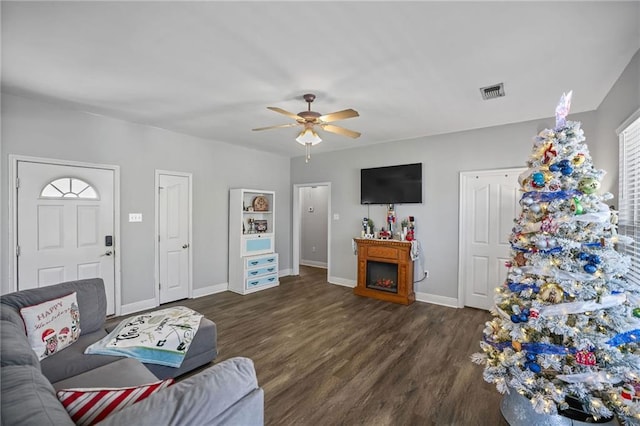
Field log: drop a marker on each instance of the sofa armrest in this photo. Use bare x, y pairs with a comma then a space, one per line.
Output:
208, 397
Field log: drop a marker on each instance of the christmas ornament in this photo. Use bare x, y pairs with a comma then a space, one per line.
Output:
551, 292
636, 312
554, 167
517, 346
576, 207
537, 180
590, 268
520, 259
588, 185
566, 171
578, 159
586, 358
549, 154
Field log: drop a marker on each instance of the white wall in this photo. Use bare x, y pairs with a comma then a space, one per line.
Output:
41, 129
444, 157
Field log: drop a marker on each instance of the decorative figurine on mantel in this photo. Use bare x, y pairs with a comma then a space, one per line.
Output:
384, 234
391, 219
367, 228
411, 231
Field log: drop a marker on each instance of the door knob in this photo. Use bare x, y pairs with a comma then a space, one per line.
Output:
184, 246
107, 253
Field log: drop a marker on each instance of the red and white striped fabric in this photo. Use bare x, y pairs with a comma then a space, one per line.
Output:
88, 406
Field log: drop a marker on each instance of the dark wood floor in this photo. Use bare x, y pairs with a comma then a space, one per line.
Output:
327, 357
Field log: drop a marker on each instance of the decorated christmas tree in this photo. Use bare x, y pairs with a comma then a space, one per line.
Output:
566, 323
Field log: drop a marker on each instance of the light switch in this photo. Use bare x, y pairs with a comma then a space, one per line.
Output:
135, 217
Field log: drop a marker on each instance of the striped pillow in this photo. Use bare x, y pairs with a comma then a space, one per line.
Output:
88, 406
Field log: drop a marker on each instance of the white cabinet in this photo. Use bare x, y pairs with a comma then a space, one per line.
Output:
253, 265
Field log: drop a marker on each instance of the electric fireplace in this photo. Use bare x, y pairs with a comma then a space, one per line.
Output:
385, 270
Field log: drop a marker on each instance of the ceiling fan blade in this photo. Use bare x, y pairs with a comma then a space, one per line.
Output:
276, 127
340, 115
340, 130
287, 113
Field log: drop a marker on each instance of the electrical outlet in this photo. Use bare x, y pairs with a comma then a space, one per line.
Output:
426, 274
135, 217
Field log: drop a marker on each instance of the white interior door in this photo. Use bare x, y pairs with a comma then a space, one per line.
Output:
174, 242
65, 215
489, 201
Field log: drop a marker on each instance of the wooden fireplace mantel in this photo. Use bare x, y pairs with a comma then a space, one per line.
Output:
387, 251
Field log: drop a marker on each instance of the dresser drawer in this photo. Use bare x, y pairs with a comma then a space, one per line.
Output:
256, 272
260, 261
261, 281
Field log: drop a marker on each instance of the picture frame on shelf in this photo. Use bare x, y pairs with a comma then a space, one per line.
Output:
260, 225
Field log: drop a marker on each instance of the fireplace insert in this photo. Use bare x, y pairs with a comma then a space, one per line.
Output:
382, 276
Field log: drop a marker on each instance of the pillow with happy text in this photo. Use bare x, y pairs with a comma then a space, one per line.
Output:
52, 325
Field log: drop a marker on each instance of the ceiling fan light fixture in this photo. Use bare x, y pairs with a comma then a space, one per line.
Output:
308, 136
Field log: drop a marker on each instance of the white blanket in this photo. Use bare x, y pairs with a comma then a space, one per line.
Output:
160, 337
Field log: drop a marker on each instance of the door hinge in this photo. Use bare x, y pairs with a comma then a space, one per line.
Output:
17, 251
17, 182
159, 286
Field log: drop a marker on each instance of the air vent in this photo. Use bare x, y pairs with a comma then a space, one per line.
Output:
493, 91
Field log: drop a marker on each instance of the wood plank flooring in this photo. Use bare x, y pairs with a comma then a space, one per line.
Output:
327, 357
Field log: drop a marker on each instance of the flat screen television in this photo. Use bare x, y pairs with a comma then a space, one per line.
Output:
400, 184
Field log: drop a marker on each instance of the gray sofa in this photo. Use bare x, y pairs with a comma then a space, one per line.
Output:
226, 393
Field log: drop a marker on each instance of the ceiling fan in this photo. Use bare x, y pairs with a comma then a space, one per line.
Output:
308, 119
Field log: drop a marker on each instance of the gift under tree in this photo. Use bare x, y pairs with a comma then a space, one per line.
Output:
566, 323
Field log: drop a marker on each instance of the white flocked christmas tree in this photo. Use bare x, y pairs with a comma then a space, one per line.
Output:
566, 322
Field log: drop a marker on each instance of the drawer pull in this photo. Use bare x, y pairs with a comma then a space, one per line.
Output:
271, 260
272, 278
253, 282
253, 272
253, 262
271, 269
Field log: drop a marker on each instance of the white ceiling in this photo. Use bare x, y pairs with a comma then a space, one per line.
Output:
410, 69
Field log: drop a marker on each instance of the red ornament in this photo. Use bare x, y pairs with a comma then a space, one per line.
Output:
586, 358
534, 313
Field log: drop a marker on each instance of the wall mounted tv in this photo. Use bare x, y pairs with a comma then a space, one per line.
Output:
391, 185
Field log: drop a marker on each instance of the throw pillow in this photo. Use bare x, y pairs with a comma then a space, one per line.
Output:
91, 405
52, 325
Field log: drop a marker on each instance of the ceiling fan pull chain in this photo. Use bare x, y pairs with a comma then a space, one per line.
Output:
308, 149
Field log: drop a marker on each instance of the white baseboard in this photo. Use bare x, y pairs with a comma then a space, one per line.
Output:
138, 306
314, 264
451, 302
211, 289
341, 281
284, 272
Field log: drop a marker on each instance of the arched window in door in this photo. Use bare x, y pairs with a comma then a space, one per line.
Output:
69, 187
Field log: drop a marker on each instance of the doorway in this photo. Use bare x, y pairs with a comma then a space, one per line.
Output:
312, 226
65, 224
489, 201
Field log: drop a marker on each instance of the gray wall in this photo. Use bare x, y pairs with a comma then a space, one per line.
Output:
41, 129
443, 158
313, 225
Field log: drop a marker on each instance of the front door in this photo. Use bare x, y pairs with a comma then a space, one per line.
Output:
174, 244
65, 225
489, 201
